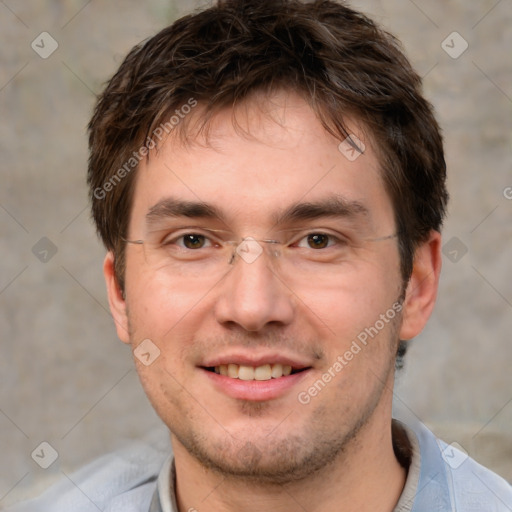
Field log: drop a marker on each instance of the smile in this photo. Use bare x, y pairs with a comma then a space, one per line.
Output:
261, 372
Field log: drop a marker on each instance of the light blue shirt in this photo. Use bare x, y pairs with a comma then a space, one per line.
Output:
140, 478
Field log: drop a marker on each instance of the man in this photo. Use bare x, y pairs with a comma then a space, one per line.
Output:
270, 185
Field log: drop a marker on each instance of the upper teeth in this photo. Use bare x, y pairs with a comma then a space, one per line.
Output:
263, 372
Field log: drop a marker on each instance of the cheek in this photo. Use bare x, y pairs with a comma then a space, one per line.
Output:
163, 389
170, 315
158, 304
355, 298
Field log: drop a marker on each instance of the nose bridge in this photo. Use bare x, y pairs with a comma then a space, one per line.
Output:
249, 250
252, 294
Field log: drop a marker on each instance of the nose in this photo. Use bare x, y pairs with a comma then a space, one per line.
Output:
252, 295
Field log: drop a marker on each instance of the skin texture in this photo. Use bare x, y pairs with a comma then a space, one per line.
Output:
334, 453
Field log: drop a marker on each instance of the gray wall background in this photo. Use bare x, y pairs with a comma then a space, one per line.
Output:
67, 380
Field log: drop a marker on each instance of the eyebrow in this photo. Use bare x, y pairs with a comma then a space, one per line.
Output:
170, 207
333, 206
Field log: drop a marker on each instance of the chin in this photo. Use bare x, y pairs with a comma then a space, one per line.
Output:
265, 459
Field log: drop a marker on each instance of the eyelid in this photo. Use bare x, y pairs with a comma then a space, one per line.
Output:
172, 238
335, 236
289, 236
175, 233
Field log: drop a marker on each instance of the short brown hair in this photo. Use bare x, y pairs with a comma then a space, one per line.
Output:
337, 59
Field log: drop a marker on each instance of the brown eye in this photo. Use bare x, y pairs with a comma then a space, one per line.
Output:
318, 241
193, 241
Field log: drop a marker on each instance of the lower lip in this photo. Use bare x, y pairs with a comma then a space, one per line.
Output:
255, 390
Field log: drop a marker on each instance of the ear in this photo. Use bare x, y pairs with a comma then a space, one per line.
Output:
116, 299
421, 292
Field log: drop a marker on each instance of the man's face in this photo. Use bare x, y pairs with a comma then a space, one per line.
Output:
299, 303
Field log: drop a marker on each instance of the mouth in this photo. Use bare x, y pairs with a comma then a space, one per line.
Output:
262, 372
255, 379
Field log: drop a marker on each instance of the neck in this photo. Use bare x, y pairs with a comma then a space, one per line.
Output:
366, 476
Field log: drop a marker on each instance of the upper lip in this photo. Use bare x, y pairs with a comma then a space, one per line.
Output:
246, 359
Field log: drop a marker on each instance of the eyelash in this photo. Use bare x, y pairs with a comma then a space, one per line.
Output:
333, 240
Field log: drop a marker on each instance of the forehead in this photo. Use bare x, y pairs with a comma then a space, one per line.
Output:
260, 159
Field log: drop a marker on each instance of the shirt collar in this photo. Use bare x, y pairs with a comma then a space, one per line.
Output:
164, 497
